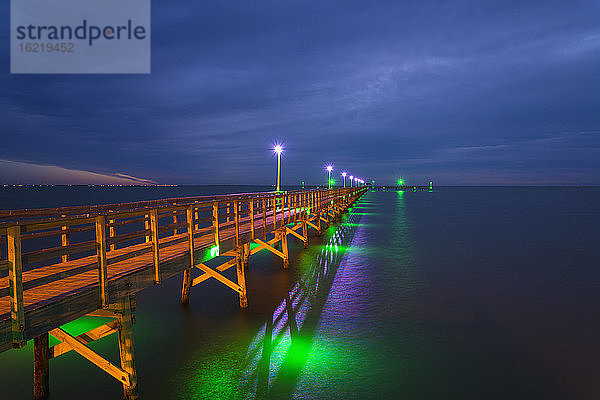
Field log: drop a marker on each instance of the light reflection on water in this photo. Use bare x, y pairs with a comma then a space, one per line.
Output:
277, 354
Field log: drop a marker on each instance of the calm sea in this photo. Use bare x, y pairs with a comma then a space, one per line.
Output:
459, 293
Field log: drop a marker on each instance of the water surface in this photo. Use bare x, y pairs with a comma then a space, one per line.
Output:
463, 293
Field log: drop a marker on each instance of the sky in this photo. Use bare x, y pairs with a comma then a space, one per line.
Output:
457, 92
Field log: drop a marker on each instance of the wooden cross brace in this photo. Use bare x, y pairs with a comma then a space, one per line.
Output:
299, 236
267, 245
211, 273
79, 345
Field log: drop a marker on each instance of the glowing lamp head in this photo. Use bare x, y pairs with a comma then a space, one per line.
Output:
278, 149
329, 168
344, 174
351, 177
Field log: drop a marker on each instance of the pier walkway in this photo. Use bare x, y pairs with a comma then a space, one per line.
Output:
60, 264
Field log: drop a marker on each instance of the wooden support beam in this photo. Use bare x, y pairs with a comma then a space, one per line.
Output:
80, 347
263, 245
220, 268
296, 227
305, 231
125, 334
101, 313
241, 278
293, 232
41, 368
318, 222
15, 283
311, 224
102, 261
88, 337
220, 277
270, 248
284, 249
246, 249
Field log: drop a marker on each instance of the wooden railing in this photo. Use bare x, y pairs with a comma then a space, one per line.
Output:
67, 238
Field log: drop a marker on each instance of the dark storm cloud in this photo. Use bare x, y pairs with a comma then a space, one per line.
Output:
460, 92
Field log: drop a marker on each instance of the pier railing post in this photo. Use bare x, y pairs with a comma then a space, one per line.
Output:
147, 225
15, 283
215, 219
175, 219
274, 213
251, 212
64, 238
102, 261
155, 244
111, 234
187, 273
236, 215
264, 209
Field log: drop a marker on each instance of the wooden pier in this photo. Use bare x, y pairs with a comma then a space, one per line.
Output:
60, 264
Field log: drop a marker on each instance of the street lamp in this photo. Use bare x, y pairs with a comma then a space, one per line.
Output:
351, 179
278, 150
329, 168
344, 175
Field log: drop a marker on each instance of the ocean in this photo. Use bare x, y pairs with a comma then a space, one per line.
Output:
456, 293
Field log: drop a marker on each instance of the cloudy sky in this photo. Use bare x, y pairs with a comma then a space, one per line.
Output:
459, 92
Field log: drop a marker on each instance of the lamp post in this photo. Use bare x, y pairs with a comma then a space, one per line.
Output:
344, 175
278, 149
329, 169
351, 179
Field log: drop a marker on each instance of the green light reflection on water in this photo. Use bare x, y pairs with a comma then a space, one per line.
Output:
270, 364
